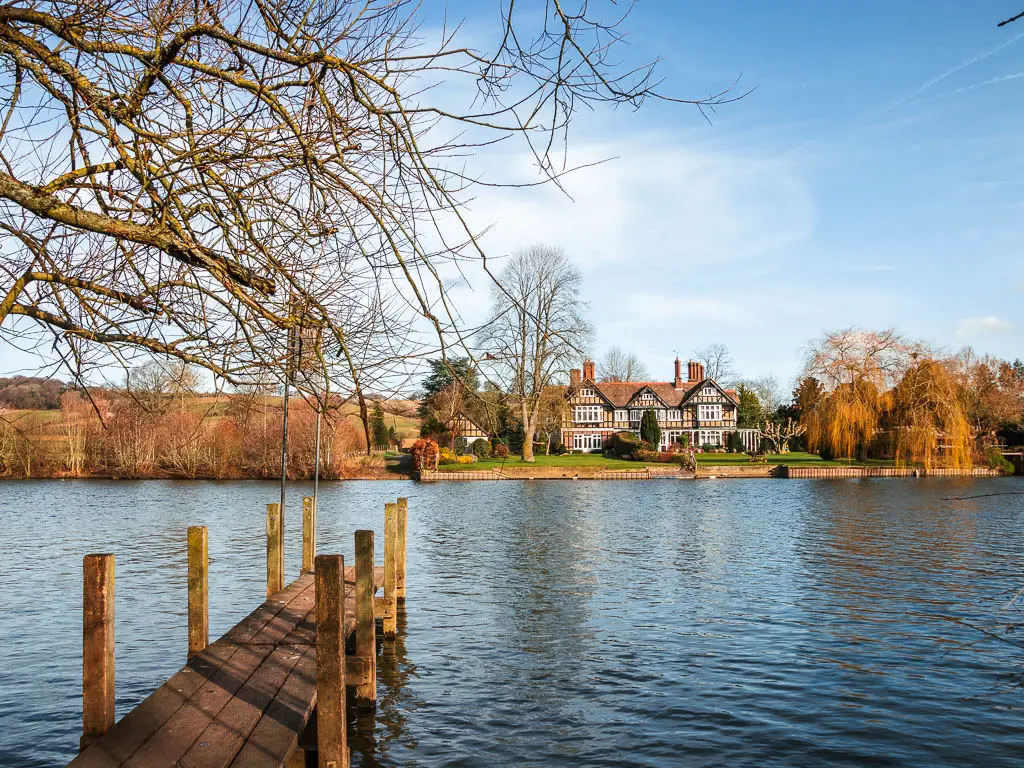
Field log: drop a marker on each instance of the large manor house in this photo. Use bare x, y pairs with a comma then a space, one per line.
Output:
697, 407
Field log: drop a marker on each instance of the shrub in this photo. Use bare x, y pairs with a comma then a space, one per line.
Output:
625, 443
996, 460
425, 454
467, 458
656, 457
481, 449
735, 443
447, 456
501, 451
461, 446
676, 448
558, 449
708, 448
683, 440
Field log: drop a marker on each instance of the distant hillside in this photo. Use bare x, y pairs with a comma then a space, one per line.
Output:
29, 393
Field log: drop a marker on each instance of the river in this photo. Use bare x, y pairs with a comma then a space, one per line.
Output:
558, 623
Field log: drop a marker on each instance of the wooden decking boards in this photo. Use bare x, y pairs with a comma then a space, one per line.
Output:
246, 698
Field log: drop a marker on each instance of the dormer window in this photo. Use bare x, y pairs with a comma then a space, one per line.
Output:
587, 392
710, 392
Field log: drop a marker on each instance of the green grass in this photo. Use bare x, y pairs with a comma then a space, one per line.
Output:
706, 459
795, 458
566, 460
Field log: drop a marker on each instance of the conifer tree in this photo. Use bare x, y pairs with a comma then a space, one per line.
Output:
650, 432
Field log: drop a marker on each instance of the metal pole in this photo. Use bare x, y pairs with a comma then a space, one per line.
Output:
284, 446
316, 471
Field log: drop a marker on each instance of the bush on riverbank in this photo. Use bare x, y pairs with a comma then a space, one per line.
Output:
233, 437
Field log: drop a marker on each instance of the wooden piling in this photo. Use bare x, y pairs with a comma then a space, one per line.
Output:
97, 647
403, 531
332, 736
275, 551
308, 533
198, 591
390, 567
366, 633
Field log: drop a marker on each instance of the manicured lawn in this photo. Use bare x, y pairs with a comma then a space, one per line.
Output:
566, 460
710, 459
795, 458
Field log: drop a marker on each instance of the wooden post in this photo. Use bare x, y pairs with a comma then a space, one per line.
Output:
198, 591
275, 551
366, 633
308, 533
403, 531
97, 647
390, 563
332, 736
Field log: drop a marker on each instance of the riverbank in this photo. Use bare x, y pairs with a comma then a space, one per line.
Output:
704, 472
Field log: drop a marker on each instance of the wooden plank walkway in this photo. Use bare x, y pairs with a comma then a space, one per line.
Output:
246, 699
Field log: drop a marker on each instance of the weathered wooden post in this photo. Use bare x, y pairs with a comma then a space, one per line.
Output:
275, 551
366, 632
198, 591
308, 533
403, 531
97, 647
390, 567
332, 736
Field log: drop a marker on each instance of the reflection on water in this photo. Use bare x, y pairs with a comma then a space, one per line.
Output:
566, 624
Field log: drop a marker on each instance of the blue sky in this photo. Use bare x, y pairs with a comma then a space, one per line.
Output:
873, 178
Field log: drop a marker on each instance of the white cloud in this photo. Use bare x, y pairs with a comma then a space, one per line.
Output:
972, 327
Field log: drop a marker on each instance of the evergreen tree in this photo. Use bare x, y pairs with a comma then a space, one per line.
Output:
377, 425
807, 394
650, 432
443, 374
392, 436
749, 415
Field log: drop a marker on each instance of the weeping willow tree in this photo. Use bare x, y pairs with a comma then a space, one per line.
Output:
845, 422
929, 420
886, 396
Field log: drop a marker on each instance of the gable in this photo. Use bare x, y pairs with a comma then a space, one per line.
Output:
646, 398
709, 391
578, 395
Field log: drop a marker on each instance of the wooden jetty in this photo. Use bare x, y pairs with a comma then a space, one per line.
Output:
273, 691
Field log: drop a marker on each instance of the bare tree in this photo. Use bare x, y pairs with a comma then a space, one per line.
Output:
769, 393
852, 355
718, 363
537, 329
618, 365
195, 179
779, 434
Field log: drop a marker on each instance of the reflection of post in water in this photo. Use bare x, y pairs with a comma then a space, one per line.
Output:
370, 730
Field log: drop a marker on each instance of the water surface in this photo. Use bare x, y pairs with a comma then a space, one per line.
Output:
553, 623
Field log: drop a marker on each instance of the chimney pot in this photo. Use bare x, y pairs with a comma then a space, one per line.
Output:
574, 377
678, 383
588, 370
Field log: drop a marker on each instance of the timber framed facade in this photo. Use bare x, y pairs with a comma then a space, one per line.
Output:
698, 408
463, 426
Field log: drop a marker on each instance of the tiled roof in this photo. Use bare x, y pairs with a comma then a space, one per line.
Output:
619, 393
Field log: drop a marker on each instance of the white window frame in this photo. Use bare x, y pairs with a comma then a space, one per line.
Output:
636, 414
587, 441
710, 392
587, 392
621, 415
709, 412
710, 437
587, 414
674, 415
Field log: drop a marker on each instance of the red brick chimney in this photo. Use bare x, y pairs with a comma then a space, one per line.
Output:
574, 377
695, 370
588, 370
679, 375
